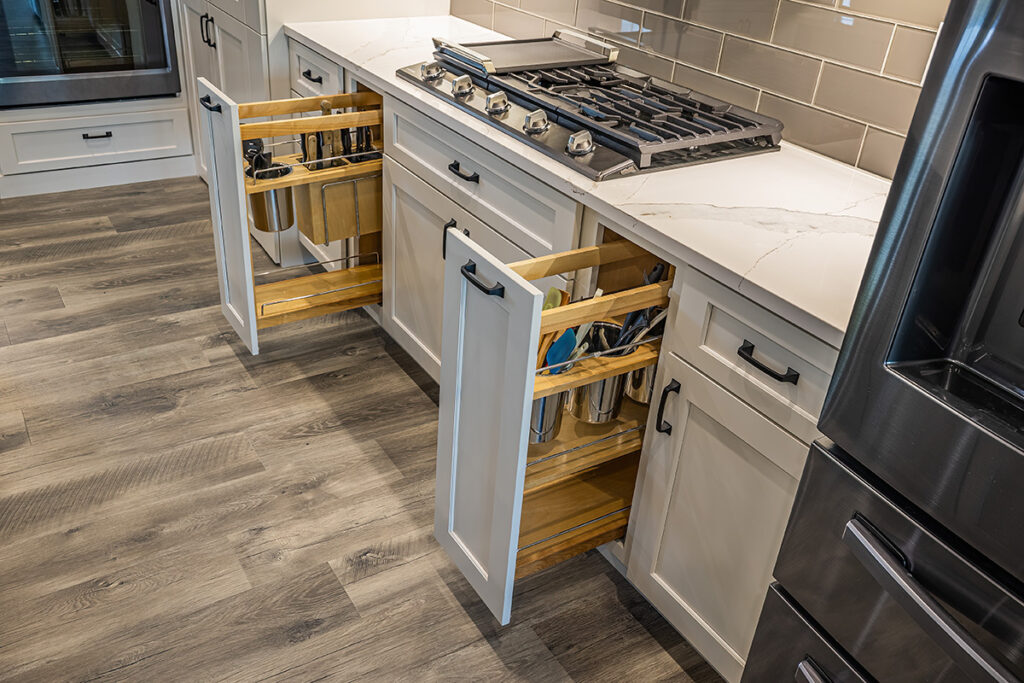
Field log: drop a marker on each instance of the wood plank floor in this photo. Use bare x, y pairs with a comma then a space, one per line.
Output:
172, 508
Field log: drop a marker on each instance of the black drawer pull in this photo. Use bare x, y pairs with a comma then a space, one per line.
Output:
455, 168
308, 75
746, 352
469, 272
901, 585
808, 672
202, 28
444, 239
672, 387
207, 102
108, 134
209, 36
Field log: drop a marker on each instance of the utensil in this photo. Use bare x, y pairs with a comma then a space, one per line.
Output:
561, 350
330, 137
311, 151
552, 299
654, 323
346, 142
584, 329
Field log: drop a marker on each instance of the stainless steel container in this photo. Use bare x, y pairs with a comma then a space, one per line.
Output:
546, 417
640, 384
272, 211
599, 402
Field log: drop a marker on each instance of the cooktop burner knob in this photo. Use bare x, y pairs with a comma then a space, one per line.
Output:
536, 122
431, 71
580, 143
462, 86
497, 103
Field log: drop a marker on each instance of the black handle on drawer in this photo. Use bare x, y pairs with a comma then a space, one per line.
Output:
207, 102
469, 272
308, 75
746, 352
209, 36
202, 28
108, 134
455, 168
889, 570
672, 387
808, 672
444, 239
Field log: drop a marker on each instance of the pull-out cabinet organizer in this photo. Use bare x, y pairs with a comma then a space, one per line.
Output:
507, 508
250, 307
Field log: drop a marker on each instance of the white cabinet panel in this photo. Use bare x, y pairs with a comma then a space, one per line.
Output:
240, 62
716, 491
198, 63
249, 12
311, 73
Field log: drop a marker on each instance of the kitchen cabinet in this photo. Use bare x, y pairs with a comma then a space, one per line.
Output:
198, 64
717, 484
505, 508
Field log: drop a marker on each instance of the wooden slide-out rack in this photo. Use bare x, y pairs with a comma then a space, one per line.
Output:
318, 294
579, 486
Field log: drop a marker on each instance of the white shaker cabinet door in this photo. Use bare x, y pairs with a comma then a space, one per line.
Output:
219, 118
240, 62
198, 64
717, 482
491, 327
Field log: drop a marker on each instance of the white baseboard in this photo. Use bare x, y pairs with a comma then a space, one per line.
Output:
43, 182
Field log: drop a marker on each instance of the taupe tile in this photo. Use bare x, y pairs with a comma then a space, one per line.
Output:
753, 18
679, 40
646, 62
867, 97
772, 68
517, 24
923, 12
562, 11
881, 152
909, 53
836, 35
814, 129
476, 11
710, 84
673, 8
608, 20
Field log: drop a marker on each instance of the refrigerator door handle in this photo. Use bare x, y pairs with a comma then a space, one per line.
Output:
808, 672
891, 574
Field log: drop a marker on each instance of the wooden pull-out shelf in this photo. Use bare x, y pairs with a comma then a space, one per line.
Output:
314, 295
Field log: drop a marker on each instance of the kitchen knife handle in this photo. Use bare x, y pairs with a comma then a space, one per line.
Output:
455, 168
444, 240
469, 272
87, 136
207, 102
209, 36
308, 75
807, 671
892, 574
746, 352
672, 387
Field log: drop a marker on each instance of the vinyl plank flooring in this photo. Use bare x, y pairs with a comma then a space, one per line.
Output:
173, 508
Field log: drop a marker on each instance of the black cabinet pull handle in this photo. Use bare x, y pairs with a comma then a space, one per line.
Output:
746, 352
308, 75
207, 102
469, 272
202, 28
672, 387
888, 569
808, 672
444, 239
87, 136
209, 36
455, 168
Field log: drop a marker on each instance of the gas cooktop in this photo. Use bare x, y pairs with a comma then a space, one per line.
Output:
566, 97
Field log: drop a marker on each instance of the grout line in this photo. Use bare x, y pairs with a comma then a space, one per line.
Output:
775, 21
721, 51
888, 49
817, 82
860, 150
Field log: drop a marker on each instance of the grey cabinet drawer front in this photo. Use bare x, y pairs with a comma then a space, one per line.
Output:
312, 74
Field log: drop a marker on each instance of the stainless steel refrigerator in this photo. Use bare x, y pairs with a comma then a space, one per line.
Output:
903, 559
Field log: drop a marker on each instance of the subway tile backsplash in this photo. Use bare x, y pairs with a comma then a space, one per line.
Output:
842, 75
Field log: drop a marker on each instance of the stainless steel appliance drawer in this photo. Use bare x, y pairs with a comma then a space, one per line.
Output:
901, 602
788, 647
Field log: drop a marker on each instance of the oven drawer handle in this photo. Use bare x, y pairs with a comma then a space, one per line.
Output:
444, 240
469, 272
308, 75
807, 671
87, 136
672, 387
456, 168
889, 571
746, 352
207, 102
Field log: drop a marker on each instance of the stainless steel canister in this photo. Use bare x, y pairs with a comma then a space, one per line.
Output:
640, 384
272, 211
600, 401
546, 417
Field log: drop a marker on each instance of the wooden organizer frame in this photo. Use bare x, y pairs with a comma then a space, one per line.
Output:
312, 295
578, 487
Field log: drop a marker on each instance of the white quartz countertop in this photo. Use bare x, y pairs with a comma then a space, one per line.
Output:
791, 229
